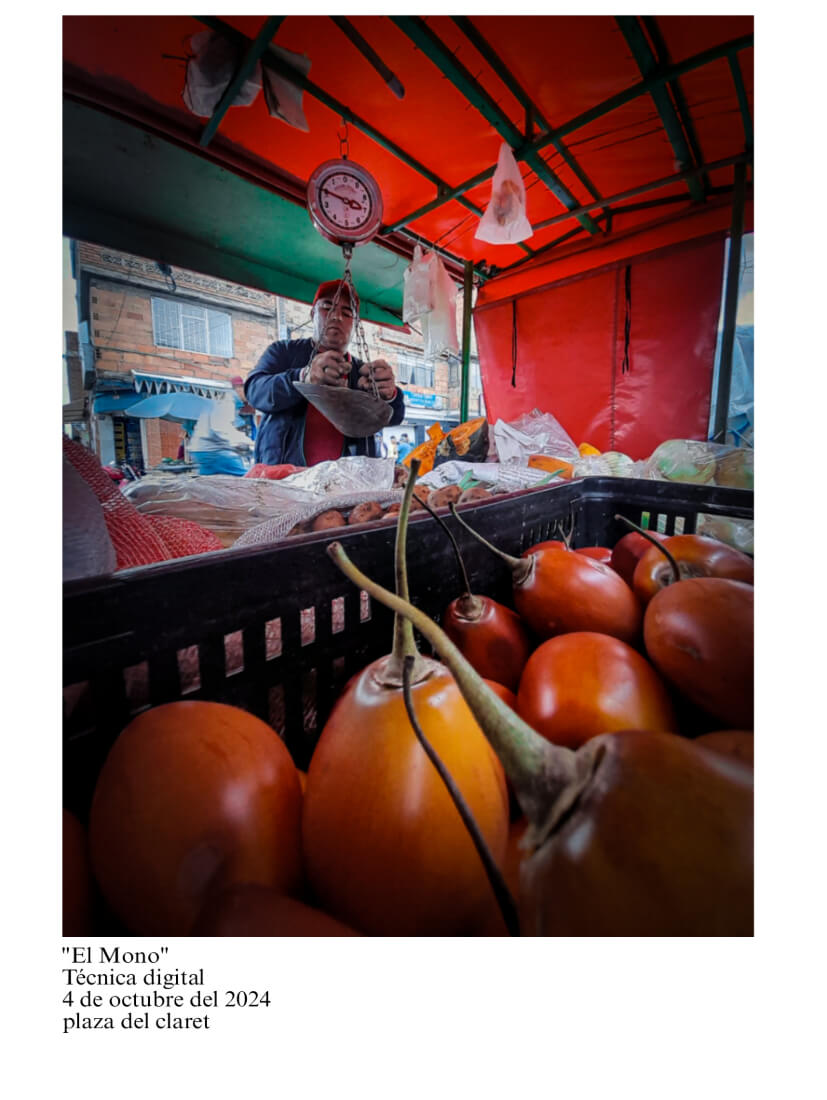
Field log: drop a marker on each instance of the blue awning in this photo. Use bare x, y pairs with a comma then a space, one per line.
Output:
107, 403
171, 406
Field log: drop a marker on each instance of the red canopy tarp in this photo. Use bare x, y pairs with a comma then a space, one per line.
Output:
567, 64
552, 336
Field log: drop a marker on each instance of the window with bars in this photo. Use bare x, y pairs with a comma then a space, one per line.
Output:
455, 373
188, 327
414, 371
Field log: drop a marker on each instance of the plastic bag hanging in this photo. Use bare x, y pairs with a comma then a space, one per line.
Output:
282, 96
439, 327
213, 65
505, 220
418, 296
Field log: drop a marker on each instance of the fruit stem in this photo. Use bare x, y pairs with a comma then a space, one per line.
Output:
520, 567
450, 535
404, 643
655, 542
505, 901
539, 771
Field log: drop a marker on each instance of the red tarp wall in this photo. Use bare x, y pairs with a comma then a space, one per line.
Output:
571, 338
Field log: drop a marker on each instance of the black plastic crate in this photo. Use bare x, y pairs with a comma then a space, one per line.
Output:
278, 630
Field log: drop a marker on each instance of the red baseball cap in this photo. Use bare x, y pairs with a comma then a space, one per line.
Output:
329, 289
237, 381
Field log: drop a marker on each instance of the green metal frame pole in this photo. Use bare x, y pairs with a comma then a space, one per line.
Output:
447, 63
730, 307
727, 49
261, 43
743, 102
467, 292
647, 63
646, 188
270, 61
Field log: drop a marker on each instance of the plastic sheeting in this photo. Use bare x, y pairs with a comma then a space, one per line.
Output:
565, 348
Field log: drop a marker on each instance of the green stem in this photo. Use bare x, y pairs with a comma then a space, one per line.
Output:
450, 535
655, 542
404, 644
505, 901
539, 771
520, 567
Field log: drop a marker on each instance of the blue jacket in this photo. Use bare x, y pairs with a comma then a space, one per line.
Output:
269, 387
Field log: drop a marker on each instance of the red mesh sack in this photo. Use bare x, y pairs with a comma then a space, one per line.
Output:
273, 473
183, 537
135, 540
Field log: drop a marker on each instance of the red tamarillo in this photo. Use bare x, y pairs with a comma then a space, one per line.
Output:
385, 848
557, 592
633, 834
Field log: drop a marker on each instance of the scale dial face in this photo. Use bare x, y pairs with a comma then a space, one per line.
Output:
345, 202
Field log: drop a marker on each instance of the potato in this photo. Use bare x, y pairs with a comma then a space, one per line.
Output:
479, 492
364, 513
421, 493
327, 520
394, 509
299, 529
443, 497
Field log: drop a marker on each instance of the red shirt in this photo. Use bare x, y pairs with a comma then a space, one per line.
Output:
322, 442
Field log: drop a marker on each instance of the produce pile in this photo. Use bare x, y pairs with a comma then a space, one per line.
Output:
164, 515
579, 763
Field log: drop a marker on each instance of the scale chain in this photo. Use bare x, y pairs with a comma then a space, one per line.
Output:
361, 341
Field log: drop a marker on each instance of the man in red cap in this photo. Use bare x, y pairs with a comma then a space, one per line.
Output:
294, 431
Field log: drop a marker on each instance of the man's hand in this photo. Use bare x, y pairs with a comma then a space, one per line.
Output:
382, 375
329, 368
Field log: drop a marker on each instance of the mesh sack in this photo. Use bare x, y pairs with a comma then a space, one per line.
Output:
135, 540
182, 537
277, 528
223, 504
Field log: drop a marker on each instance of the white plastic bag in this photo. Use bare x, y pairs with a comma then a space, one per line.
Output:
418, 296
439, 327
504, 220
499, 478
283, 98
431, 297
534, 433
213, 65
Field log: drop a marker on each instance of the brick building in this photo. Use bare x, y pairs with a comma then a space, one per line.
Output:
146, 330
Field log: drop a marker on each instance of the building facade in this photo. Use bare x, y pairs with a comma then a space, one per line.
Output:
147, 329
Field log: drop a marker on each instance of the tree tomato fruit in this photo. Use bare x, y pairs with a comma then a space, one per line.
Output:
249, 910
78, 891
551, 544
737, 743
193, 796
579, 685
385, 848
599, 553
628, 551
697, 556
699, 635
570, 592
491, 637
